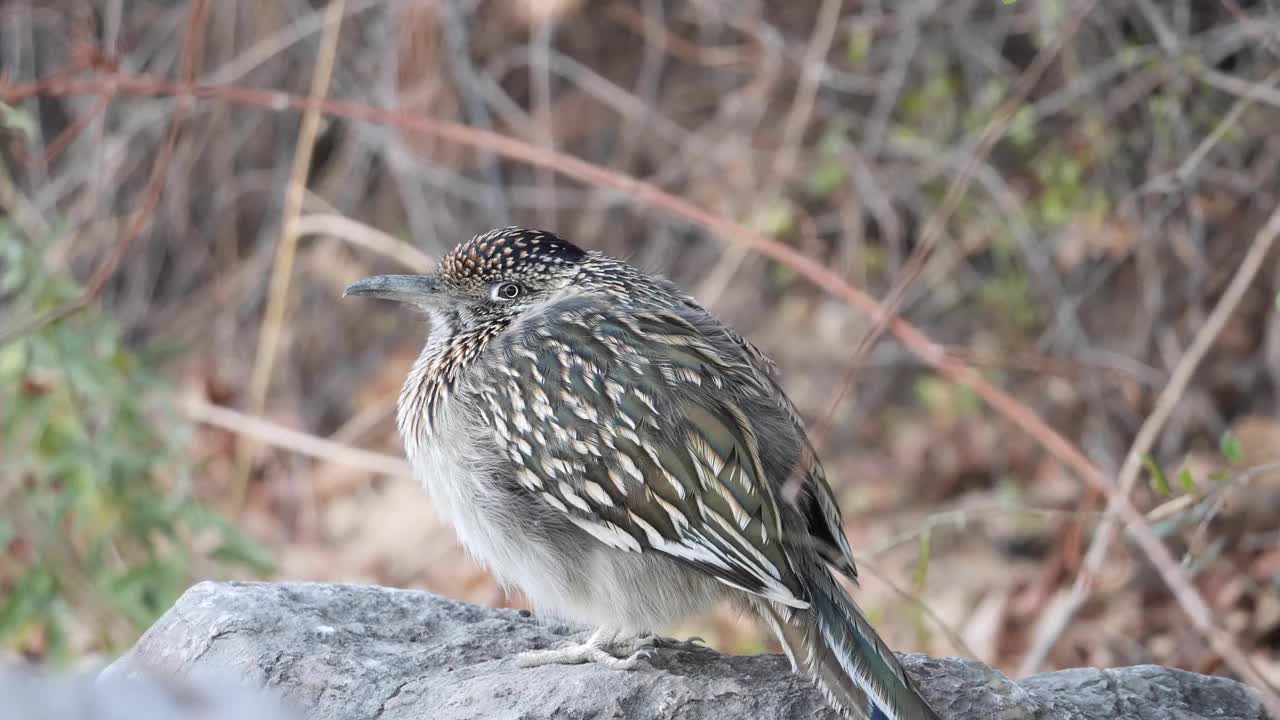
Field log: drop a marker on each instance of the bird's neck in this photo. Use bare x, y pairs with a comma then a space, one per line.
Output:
451, 348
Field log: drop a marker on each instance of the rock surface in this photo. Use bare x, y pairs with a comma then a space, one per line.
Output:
33, 693
359, 652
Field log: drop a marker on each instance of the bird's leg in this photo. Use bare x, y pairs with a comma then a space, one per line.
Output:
593, 650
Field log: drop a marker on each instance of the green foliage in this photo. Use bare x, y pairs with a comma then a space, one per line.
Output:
12, 118
773, 219
918, 578
1010, 297
1065, 194
829, 171
858, 46
1187, 482
1022, 127
921, 572
1230, 447
99, 529
1159, 483
929, 110
946, 400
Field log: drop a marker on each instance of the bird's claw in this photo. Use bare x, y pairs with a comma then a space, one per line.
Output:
611, 652
665, 643
596, 649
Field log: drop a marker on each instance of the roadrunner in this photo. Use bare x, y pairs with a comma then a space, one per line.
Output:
602, 443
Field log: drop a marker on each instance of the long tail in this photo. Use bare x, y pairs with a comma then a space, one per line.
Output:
834, 644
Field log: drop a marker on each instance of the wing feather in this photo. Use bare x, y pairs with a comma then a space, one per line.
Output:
631, 436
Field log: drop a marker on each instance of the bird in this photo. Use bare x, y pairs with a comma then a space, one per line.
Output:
601, 442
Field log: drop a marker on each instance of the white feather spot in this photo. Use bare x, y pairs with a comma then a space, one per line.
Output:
554, 502
597, 492
572, 497
609, 534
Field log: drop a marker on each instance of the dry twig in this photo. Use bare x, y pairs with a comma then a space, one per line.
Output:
150, 194
363, 236
285, 438
1151, 427
282, 270
934, 226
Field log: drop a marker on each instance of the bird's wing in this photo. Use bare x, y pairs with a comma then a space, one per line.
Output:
625, 423
817, 502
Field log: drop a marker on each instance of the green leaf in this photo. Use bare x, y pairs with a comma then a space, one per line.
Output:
826, 177
773, 219
931, 392
1159, 483
240, 550
30, 595
14, 272
12, 118
922, 561
236, 547
968, 404
1022, 127
858, 45
1230, 447
13, 361
145, 591
55, 628
1187, 482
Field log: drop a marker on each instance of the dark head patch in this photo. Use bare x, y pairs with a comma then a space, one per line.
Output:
510, 253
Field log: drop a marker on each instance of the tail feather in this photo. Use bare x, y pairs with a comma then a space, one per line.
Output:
833, 643
809, 656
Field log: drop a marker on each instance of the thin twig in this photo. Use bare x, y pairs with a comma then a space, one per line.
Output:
541, 112
20, 209
276, 435
267, 47
282, 271
952, 634
936, 223
1236, 86
1003, 116
364, 236
150, 193
1151, 427
466, 81
911, 15
824, 30
1186, 169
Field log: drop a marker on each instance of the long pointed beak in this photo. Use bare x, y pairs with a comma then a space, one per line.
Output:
415, 289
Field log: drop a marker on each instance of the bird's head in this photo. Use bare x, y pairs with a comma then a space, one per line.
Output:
490, 279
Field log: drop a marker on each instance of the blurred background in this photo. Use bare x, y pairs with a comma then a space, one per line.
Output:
1070, 187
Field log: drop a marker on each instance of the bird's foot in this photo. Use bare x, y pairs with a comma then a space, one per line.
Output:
596, 649
657, 642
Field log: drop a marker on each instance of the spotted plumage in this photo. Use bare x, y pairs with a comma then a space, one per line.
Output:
604, 444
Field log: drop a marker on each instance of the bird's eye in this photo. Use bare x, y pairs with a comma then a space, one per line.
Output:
507, 291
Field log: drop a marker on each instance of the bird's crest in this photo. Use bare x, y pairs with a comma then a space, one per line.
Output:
506, 254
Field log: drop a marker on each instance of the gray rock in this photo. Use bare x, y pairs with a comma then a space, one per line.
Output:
356, 652
34, 693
